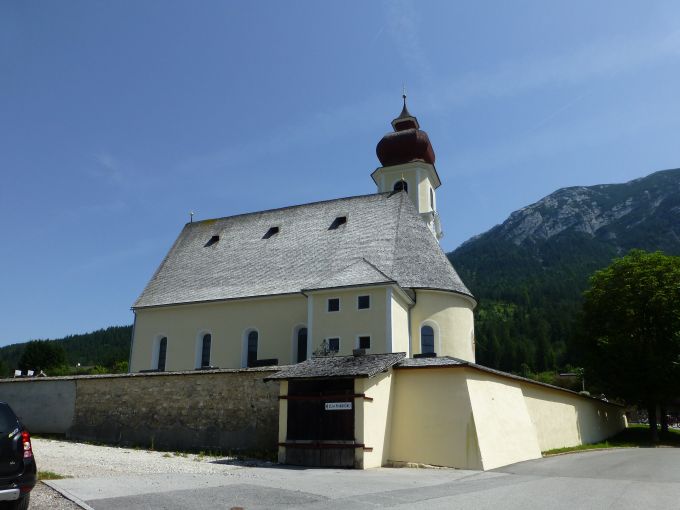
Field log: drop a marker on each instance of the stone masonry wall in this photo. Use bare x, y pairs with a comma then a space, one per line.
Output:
216, 410
209, 410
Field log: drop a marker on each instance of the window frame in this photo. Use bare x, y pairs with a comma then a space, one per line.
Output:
207, 335
328, 343
434, 338
328, 305
359, 337
368, 296
160, 346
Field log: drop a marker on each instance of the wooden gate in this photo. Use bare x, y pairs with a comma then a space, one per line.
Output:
321, 423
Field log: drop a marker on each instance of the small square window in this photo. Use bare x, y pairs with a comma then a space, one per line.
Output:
364, 302
334, 344
364, 342
334, 305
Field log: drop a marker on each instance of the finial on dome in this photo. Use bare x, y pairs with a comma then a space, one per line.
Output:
405, 119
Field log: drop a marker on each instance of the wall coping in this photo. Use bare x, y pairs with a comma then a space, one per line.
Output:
506, 375
142, 374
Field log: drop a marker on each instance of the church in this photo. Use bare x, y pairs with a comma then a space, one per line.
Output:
368, 325
273, 287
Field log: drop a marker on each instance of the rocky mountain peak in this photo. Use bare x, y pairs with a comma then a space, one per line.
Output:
597, 211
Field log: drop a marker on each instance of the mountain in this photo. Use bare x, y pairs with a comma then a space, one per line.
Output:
529, 272
104, 347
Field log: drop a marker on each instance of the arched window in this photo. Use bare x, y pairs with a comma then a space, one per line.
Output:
401, 185
162, 350
252, 348
427, 340
205, 350
431, 199
301, 345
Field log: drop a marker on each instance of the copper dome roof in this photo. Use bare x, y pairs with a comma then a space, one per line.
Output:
407, 143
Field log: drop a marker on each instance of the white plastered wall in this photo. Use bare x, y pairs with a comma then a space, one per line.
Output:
451, 316
432, 419
505, 432
374, 417
563, 419
400, 329
350, 322
274, 318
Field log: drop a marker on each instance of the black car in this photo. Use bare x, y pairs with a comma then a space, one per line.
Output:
17, 465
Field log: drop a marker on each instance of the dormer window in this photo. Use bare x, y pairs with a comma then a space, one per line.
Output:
401, 185
213, 240
340, 220
271, 232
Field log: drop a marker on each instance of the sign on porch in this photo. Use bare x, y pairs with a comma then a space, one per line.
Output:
338, 406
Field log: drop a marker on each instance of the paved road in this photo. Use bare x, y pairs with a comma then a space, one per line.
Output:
617, 479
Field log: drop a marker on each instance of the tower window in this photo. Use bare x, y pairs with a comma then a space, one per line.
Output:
401, 185
364, 342
271, 232
334, 304
427, 340
431, 199
364, 302
340, 220
213, 240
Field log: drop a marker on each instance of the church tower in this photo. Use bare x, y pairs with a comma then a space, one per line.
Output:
407, 160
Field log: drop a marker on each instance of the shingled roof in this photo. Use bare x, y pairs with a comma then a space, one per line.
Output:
383, 239
366, 365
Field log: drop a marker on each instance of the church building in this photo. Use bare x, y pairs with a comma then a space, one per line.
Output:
273, 287
364, 324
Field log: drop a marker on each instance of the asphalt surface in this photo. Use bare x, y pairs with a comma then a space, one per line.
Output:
617, 479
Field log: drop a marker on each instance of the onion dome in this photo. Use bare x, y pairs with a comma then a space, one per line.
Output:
407, 143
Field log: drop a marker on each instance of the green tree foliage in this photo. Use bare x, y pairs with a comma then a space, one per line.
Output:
109, 348
631, 329
42, 355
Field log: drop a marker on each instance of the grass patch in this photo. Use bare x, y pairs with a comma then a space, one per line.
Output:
50, 475
635, 436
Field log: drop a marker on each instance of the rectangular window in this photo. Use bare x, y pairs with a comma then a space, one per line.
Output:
364, 302
364, 342
334, 344
334, 305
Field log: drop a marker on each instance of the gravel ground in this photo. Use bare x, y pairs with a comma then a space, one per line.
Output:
46, 498
88, 461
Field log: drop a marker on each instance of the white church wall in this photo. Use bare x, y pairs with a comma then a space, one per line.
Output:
452, 319
400, 327
432, 419
373, 418
349, 322
227, 321
563, 419
505, 432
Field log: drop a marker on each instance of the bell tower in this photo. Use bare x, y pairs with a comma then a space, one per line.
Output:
407, 160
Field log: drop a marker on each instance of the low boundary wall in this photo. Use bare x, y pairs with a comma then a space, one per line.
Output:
216, 409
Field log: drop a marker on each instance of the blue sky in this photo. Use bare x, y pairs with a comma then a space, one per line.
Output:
117, 118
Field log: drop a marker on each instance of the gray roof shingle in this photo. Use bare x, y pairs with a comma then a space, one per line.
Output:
383, 240
366, 365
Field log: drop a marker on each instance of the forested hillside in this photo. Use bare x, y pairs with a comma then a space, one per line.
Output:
529, 272
104, 347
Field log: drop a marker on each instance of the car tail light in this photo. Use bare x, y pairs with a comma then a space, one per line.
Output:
26, 440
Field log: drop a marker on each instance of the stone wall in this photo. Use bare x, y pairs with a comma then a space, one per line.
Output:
45, 406
211, 410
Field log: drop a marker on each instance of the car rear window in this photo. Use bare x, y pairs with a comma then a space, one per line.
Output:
8, 420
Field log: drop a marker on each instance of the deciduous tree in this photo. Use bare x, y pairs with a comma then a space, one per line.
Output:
631, 329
